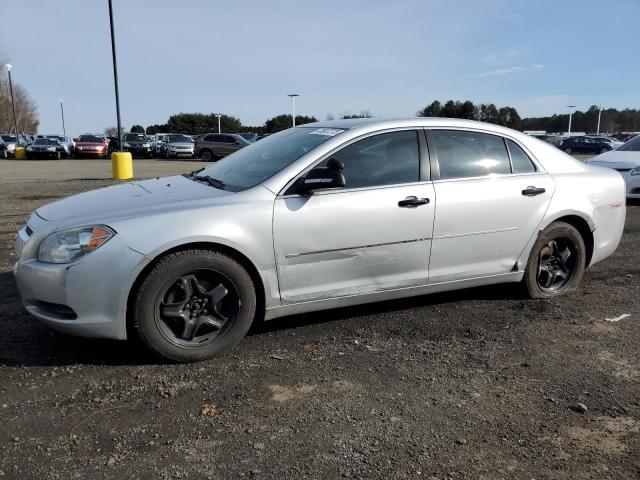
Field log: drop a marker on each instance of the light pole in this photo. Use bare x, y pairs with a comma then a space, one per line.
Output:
570, 107
13, 103
115, 74
64, 130
218, 116
293, 106
598, 128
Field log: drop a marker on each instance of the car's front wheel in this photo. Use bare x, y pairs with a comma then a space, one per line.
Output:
567, 151
194, 304
556, 263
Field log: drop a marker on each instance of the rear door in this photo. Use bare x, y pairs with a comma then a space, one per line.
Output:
490, 199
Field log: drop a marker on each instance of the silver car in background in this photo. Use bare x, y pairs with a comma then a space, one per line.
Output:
319, 216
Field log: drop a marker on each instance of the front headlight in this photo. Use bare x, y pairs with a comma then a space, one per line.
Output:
67, 245
636, 171
126, 145
51, 149
29, 149
146, 145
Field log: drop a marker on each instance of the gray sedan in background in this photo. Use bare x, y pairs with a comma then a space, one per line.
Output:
319, 216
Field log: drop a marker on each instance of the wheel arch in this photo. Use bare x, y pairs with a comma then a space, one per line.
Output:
584, 228
213, 246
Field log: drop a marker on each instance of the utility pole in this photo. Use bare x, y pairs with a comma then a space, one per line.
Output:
293, 106
598, 128
13, 103
115, 74
64, 130
570, 107
218, 116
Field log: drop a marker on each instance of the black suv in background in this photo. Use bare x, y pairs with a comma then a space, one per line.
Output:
136, 143
215, 145
584, 145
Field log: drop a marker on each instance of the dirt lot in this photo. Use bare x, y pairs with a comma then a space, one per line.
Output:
473, 384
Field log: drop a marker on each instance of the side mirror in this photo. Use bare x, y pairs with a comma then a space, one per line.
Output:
319, 178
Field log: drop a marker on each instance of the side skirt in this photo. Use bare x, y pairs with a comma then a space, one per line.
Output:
346, 301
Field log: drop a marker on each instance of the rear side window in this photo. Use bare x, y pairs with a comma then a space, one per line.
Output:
520, 161
209, 138
464, 154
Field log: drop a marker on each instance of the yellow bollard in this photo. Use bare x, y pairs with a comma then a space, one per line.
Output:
21, 153
122, 165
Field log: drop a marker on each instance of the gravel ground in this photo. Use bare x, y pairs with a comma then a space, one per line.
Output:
473, 384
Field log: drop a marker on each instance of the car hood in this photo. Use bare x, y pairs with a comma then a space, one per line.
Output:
90, 144
128, 199
616, 159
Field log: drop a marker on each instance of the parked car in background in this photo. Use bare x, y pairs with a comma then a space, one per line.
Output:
3, 149
215, 145
67, 142
552, 139
611, 141
625, 160
10, 142
249, 137
177, 145
319, 216
92, 145
157, 143
584, 144
137, 144
47, 148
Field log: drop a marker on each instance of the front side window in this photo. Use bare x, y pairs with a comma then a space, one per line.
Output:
259, 161
520, 161
463, 154
385, 159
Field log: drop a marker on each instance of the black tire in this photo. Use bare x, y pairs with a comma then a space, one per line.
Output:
206, 155
4, 155
165, 289
604, 150
58, 155
567, 151
550, 271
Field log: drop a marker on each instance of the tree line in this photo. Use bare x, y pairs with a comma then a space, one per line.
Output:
612, 120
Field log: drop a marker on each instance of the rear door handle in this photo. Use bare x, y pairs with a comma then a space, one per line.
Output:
533, 191
412, 201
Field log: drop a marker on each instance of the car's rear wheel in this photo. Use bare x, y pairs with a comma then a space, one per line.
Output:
567, 150
193, 305
58, 155
206, 155
556, 263
604, 150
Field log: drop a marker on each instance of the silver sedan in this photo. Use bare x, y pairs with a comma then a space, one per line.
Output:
319, 216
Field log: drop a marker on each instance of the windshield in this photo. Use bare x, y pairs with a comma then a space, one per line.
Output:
252, 165
9, 138
179, 139
45, 141
132, 137
90, 139
632, 145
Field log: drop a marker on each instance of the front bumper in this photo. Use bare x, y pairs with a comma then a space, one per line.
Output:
178, 152
41, 154
84, 151
135, 150
85, 298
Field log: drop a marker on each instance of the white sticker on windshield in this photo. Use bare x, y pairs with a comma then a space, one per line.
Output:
327, 132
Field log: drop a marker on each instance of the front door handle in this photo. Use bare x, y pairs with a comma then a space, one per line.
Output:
532, 191
412, 201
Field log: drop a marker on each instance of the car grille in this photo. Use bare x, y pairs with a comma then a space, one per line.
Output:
635, 191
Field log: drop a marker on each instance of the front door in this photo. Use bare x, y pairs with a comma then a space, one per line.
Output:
490, 199
371, 236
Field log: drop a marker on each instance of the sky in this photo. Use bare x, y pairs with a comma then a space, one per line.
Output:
391, 58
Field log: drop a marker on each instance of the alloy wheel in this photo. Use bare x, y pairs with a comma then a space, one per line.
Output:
557, 263
196, 307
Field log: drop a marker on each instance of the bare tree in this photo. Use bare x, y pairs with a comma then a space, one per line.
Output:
26, 109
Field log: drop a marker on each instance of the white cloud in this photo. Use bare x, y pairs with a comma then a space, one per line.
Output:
508, 70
